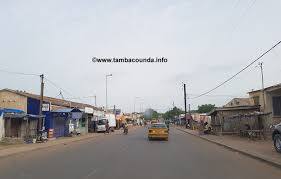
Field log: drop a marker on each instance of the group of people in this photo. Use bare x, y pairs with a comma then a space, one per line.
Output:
124, 126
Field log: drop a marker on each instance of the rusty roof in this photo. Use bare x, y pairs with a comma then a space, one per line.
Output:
233, 108
270, 88
53, 101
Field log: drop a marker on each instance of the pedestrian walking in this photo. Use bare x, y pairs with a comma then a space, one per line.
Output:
107, 127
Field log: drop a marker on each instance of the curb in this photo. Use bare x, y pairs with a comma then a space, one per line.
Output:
45, 147
272, 163
50, 145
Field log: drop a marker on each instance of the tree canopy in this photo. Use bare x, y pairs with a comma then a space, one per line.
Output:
150, 114
205, 108
172, 113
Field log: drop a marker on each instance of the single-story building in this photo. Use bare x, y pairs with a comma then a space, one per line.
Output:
17, 124
64, 122
270, 101
30, 104
240, 102
2, 128
221, 118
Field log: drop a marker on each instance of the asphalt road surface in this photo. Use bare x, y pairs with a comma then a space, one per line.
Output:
134, 157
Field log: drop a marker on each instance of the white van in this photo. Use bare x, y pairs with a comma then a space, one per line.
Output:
111, 121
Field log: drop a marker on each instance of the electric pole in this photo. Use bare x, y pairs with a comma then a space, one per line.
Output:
184, 91
262, 81
40, 121
95, 100
106, 76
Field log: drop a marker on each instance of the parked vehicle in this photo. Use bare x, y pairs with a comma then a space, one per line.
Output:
102, 122
276, 137
42, 136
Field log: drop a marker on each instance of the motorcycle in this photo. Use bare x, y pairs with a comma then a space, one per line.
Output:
42, 136
126, 130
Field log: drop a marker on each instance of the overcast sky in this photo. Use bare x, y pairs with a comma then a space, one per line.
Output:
205, 42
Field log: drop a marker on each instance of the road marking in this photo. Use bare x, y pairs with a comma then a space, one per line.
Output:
91, 174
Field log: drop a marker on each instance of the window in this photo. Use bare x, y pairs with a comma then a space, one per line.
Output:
276, 103
158, 126
256, 100
102, 122
83, 122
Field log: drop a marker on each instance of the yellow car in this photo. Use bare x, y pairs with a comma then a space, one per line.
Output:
154, 121
158, 131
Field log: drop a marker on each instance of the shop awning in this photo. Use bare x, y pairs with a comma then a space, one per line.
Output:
67, 110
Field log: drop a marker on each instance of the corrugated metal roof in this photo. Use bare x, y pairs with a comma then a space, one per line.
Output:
233, 108
67, 110
53, 101
16, 113
270, 88
10, 110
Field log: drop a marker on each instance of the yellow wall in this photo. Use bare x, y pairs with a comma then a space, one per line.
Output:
12, 100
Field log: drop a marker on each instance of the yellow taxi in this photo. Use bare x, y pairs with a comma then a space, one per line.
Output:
158, 131
154, 121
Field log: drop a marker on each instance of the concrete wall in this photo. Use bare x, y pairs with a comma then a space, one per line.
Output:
268, 108
221, 118
11, 100
2, 129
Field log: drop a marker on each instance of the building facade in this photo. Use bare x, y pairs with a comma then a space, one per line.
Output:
269, 100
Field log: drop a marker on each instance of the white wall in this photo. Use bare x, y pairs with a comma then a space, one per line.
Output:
2, 129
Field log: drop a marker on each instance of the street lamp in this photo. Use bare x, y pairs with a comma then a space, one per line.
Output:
135, 102
106, 89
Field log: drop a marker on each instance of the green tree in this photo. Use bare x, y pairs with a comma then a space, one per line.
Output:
172, 113
150, 114
205, 108
155, 115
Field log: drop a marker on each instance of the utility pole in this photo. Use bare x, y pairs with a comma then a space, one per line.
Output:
95, 100
184, 91
262, 81
114, 110
40, 121
106, 90
134, 105
134, 113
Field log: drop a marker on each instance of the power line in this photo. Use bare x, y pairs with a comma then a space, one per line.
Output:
38, 75
217, 95
60, 88
18, 73
229, 79
63, 90
81, 97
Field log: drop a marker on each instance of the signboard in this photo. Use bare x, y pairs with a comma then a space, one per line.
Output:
94, 118
45, 107
98, 113
76, 115
89, 110
117, 111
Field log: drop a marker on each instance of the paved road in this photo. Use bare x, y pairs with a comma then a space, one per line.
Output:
134, 157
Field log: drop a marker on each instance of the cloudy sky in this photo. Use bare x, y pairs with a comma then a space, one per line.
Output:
205, 42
